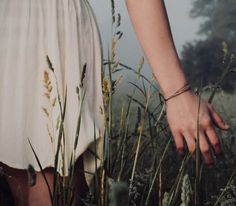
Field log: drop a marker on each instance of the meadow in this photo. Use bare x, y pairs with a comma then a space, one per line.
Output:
141, 166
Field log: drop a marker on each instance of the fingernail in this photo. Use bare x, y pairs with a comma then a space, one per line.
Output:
227, 126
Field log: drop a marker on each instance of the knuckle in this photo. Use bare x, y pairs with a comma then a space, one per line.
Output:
180, 147
183, 128
206, 121
192, 126
205, 150
192, 149
175, 129
216, 143
220, 120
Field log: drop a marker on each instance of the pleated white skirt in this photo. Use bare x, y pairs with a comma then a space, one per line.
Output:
67, 32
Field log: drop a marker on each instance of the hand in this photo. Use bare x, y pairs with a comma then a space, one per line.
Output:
182, 112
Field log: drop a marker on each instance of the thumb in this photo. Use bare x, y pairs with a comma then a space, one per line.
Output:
217, 119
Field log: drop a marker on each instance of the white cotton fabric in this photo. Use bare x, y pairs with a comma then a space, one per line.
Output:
66, 31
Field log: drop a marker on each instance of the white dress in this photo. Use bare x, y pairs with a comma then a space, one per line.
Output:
67, 32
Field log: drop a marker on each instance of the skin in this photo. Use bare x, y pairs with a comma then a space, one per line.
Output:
38, 195
151, 24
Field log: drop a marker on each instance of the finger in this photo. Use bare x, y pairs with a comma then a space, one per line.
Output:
205, 149
214, 140
179, 142
189, 138
217, 119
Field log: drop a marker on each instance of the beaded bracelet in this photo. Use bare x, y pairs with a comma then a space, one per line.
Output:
183, 89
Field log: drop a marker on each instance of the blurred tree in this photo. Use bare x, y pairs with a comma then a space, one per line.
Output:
202, 59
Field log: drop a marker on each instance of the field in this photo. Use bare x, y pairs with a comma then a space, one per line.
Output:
140, 164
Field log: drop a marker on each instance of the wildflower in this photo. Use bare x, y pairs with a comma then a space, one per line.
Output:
45, 111
113, 47
106, 86
54, 101
46, 77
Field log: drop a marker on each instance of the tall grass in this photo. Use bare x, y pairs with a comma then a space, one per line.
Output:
140, 143
140, 165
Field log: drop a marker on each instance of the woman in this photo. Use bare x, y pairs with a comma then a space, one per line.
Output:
66, 31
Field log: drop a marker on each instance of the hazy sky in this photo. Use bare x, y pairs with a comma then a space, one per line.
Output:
183, 27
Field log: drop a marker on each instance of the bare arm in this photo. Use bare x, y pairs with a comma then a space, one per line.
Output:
151, 24
152, 27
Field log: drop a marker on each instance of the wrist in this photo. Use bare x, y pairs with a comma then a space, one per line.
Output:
169, 85
181, 99
186, 87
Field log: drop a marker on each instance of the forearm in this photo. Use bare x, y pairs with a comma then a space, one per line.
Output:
151, 25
